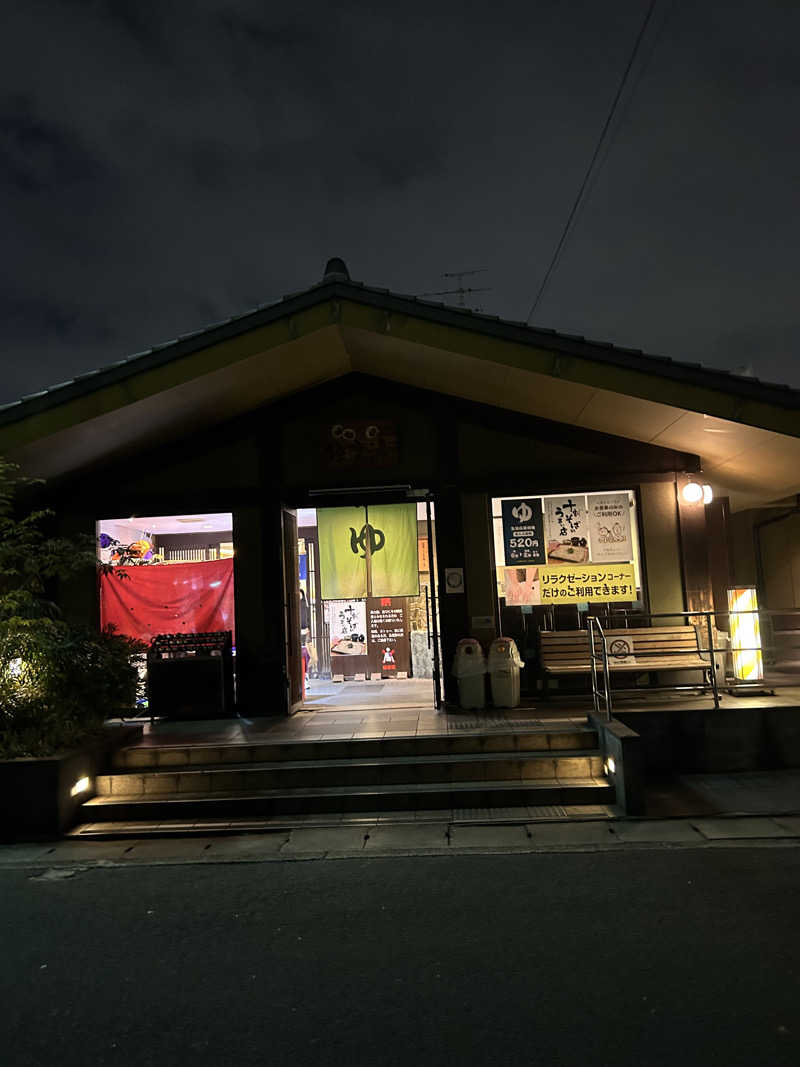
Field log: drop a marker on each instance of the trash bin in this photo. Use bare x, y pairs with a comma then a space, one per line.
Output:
504, 666
469, 667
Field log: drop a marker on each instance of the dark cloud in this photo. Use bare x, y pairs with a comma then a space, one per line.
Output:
165, 166
31, 318
37, 154
37, 319
257, 29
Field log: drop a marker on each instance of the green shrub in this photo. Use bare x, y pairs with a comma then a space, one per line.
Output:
58, 681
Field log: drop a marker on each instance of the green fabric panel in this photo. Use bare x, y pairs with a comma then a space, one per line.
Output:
342, 572
395, 565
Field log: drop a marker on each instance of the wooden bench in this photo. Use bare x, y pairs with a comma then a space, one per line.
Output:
656, 648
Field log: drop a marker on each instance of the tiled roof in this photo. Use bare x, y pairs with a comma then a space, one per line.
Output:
437, 311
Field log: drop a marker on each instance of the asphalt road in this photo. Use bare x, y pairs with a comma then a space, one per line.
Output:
649, 957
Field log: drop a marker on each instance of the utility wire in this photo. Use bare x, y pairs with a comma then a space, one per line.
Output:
593, 160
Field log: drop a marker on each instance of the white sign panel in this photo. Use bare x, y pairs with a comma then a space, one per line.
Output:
610, 528
566, 529
620, 651
347, 620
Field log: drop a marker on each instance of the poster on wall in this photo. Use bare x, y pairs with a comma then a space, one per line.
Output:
423, 555
347, 623
387, 633
567, 529
564, 584
610, 528
522, 585
523, 534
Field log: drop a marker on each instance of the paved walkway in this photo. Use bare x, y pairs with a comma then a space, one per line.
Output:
420, 833
370, 723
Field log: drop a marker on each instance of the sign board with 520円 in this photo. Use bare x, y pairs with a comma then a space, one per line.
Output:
523, 533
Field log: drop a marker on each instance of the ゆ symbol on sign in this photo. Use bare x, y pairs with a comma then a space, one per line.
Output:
522, 512
376, 539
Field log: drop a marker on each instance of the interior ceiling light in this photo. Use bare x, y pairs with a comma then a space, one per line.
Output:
692, 492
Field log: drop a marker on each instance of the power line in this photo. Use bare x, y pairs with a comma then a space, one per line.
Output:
593, 160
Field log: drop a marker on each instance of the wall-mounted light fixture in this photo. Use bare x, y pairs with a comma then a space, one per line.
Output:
696, 493
80, 786
692, 492
748, 665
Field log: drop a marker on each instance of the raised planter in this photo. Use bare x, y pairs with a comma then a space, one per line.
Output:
36, 794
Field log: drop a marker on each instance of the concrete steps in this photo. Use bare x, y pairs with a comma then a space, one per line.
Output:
215, 778
194, 784
428, 797
152, 757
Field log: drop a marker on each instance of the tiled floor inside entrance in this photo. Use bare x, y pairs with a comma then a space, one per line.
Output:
326, 695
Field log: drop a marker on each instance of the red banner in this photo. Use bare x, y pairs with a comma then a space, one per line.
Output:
171, 598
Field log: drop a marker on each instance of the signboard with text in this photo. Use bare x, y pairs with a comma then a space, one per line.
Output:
569, 584
610, 528
387, 635
567, 529
523, 532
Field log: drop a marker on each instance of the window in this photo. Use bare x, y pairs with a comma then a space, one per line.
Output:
568, 549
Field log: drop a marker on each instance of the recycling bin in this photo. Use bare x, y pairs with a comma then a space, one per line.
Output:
504, 668
469, 667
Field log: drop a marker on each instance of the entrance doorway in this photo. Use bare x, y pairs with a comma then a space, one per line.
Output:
365, 623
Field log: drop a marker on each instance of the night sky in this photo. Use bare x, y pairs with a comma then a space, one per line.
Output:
166, 165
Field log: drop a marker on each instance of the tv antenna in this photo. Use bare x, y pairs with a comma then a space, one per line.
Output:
461, 290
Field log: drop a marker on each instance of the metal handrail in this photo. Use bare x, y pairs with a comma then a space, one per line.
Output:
593, 623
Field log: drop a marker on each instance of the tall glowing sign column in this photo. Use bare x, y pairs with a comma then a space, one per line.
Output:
748, 665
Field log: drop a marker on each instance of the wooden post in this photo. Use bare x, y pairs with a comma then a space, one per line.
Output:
694, 553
